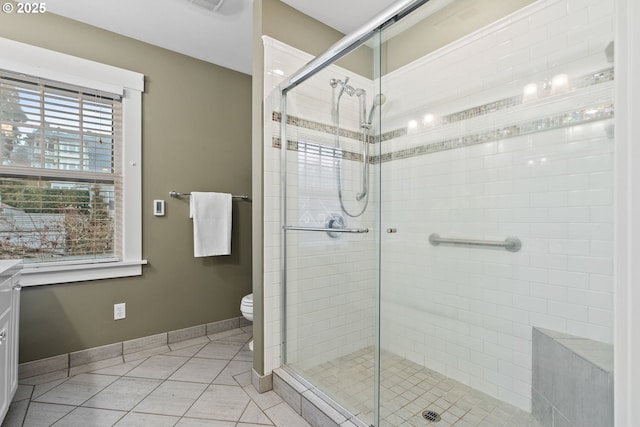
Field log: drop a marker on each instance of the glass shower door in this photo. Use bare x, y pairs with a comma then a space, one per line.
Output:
329, 236
496, 210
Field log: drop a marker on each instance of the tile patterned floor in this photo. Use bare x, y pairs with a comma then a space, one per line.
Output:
408, 390
204, 382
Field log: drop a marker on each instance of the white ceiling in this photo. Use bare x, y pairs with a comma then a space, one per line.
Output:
343, 15
222, 37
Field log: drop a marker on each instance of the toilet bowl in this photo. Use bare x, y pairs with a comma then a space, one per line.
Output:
246, 308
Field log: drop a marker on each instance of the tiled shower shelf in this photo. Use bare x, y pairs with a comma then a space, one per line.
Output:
572, 380
597, 353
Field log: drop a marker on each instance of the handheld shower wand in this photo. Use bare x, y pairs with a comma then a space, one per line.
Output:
362, 98
365, 125
378, 101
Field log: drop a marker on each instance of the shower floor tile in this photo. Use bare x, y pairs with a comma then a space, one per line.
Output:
407, 390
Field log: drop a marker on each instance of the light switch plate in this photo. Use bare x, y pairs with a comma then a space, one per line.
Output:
158, 207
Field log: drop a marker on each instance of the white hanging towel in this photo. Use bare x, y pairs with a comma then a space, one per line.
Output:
211, 213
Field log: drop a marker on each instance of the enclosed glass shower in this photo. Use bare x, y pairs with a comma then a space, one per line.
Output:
447, 213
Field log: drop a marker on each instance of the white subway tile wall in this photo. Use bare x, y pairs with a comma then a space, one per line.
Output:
545, 177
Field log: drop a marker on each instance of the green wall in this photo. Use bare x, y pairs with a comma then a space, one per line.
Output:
196, 137
282, 22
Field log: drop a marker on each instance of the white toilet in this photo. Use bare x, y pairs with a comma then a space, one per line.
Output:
246, 307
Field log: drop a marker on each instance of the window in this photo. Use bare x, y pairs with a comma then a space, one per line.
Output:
58, 146
317, 176
69, 166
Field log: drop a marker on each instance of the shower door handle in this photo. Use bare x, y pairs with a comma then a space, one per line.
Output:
326, 230
392, 230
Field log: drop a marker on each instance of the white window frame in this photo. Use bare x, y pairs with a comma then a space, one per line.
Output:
35, 61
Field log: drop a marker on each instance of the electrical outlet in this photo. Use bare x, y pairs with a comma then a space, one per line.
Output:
119, 311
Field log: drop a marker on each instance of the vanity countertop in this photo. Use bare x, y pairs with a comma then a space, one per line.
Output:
9, 267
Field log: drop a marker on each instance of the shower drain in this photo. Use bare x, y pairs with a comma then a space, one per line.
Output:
431, 416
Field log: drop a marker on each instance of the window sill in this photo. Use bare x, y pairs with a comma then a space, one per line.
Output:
43, 274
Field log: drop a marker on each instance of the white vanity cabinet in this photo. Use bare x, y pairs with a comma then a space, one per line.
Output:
9, 319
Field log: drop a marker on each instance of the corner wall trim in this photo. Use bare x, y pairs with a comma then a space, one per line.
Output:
262, 383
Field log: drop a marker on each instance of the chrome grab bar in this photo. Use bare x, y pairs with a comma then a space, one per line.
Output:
326, 230
512, 244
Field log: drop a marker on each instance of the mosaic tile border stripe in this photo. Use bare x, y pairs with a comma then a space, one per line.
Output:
587, 80
573, 118
558, 121
276, 116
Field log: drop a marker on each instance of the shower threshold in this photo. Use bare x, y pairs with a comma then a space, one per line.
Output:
408, 391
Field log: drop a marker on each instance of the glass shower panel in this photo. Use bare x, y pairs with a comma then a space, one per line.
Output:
501, 134
331, 276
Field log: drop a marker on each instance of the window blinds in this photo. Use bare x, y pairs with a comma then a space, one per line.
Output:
60, 177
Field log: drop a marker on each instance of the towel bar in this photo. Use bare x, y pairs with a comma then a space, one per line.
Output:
177, 194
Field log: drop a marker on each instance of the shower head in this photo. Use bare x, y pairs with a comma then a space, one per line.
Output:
344, 86
608, 51
378, 101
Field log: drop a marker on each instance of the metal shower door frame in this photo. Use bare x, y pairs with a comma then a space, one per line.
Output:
343, 47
